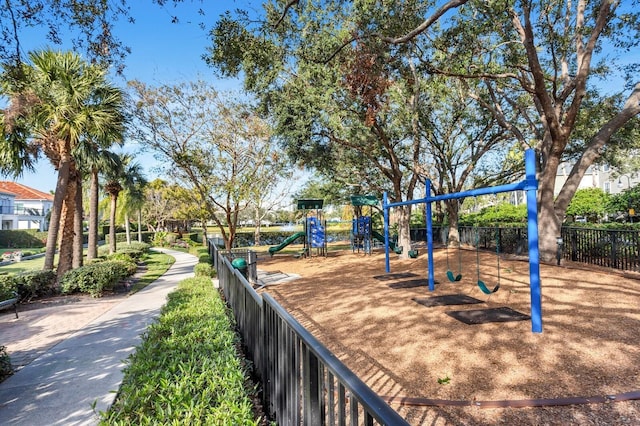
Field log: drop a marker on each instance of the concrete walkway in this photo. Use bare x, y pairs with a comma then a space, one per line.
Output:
73, 380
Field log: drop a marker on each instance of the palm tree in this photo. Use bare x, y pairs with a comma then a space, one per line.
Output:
125, 176
54, 102
93, 159
133, 200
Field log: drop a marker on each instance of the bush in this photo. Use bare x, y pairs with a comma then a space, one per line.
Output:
186, 370
22, 238
8, 286
95, 278
36, 284
124, 257
6, 369
204, 270
204, 258
136, 250
144, 247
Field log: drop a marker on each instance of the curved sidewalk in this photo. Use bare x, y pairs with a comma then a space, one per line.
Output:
79, 377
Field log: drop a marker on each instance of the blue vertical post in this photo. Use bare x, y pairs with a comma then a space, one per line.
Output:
532, 234
385, 202
429, 223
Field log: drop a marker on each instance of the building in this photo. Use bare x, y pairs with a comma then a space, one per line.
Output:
602, 176
22, 207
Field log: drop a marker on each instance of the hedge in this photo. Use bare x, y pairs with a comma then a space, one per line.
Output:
186, 370
22, 238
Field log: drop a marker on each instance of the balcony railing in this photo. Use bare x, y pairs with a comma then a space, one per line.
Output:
21, 211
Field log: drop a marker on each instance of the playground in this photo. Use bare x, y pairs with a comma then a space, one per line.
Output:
437, 370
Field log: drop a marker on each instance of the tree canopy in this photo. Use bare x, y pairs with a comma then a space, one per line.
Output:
209, 142
345, 79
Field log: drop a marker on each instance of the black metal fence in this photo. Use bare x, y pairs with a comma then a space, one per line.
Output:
611, 248
303, 382
507, 240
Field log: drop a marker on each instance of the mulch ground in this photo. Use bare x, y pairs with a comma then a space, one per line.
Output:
411, 353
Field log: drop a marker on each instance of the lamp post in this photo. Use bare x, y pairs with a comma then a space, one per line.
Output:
630, 210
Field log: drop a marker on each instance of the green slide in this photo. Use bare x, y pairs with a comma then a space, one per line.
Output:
378, 236
285, 243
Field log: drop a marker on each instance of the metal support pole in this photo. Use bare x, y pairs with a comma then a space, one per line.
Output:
385, 202
429, 224
532, 232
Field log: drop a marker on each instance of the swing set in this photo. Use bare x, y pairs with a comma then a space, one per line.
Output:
453, 277
530, 185
450, 274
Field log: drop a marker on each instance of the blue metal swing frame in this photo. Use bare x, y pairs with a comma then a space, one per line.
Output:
530, 185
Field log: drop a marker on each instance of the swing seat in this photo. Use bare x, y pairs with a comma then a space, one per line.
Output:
398, 250
486, 289
413, 254
452, 277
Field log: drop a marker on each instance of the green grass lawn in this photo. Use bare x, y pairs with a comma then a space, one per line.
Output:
25, 265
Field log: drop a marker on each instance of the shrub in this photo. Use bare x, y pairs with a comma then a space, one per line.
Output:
6, 369
95, 278
204, 258
36, 284
103, 251
8, 286
136, 250
125, 257
144, 247
204, 270
186, 370
158, 239
22, 238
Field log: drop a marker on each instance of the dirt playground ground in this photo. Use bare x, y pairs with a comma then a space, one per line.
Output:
408, 352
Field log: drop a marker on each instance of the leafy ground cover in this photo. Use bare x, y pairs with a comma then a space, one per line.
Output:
187, 369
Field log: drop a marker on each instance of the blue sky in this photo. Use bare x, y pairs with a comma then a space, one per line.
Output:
161, 52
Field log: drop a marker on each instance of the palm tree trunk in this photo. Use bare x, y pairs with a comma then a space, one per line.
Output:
78, 237
92, 249
56, 213
65, 260
139, 225
112, 224
127, 227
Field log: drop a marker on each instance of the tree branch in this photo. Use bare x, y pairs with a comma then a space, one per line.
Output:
287, 6
452, 4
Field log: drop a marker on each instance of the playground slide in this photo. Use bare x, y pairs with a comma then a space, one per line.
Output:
285, 243
378, 236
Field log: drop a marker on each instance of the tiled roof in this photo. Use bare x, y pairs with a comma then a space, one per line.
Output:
24, 192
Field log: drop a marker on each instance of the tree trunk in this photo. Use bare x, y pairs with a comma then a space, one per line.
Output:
127, 227
112, 224
453, 237
204, 233
65, 259
78, 237
92, 247
549, 224
56, 213
256, 232
139, 225
404, 230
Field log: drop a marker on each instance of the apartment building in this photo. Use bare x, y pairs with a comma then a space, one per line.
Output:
22, 207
